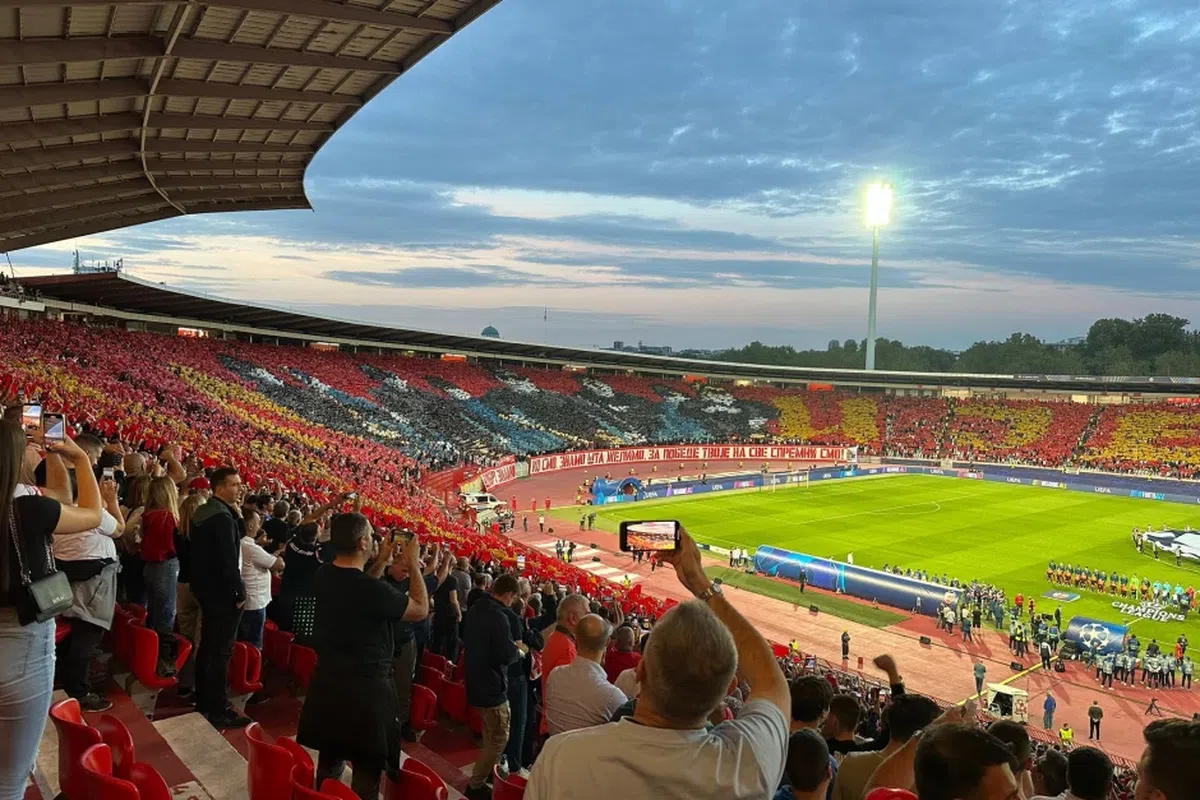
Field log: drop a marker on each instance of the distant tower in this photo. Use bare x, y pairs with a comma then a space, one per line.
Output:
490, 332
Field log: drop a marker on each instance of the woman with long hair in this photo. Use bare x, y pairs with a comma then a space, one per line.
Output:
131, 587
28, 522
161, 567
187, 607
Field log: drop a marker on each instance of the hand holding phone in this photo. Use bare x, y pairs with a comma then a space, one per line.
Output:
31, 419
54, 427
654, 536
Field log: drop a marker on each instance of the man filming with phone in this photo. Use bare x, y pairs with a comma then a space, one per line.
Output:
664, 750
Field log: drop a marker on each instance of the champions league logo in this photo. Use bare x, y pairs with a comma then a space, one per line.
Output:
1094, 636
1150, 611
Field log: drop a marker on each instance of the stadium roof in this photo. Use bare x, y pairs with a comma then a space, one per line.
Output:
119, 112
98, 292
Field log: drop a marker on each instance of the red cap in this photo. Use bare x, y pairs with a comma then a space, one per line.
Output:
199, 483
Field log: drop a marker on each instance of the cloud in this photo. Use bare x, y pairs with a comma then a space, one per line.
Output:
639, 156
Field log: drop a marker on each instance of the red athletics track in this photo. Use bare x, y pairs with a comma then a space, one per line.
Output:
943, 670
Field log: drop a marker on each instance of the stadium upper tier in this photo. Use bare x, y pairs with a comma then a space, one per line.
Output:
305, 412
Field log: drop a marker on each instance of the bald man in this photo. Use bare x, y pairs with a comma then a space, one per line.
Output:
578, 695
623, 654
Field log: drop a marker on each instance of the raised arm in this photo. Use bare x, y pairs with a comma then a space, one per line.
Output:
756, 661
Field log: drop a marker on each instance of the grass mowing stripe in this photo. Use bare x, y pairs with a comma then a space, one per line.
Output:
829, 604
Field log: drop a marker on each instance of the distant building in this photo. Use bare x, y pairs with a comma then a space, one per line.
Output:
490, 332
645, 349
1074, 341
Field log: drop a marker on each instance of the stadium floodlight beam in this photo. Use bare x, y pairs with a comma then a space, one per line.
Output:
879, 214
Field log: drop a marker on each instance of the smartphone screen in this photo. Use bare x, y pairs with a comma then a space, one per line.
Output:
652, 535
520, 562
55, 426
31, 418
109, 474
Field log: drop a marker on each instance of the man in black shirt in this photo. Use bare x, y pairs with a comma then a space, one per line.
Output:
350, 712
447, 617
490, 651
216, 581
480, 588
407, 634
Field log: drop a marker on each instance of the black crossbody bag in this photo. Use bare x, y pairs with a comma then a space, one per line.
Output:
46, 597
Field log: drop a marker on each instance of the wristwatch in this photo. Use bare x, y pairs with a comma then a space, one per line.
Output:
713, 590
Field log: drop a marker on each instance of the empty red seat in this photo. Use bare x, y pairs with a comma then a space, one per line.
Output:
510, 788
453, 700
428, 676
417, 781
75, 737
245, 669
99, 783
423, 709
277, 646
434, 661
302, 763
114, 734
302, 787
335, 788
143, 657
269, 767
304, 662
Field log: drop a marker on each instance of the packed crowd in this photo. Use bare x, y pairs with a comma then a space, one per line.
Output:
454, 411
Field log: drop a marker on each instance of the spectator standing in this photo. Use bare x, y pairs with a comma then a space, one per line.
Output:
295, 608
952, 760
161, 567
1048, 707
404, 641
89, 560
217, 584
980, 670
807, 768
1089, 774
840, 724
187, 608
257, 566
28, 524
1017, 738
449, 602
1169, 768
664, 751
350, 712
578, 695
1050, 774
490, 650
520, 683
560, 643
907, 714
623, 654
1095, 714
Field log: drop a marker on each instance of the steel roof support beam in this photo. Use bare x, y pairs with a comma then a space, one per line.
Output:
39, 157
214, 181
28, 52
212, 50
181, 121
164, 145
44, 201
60, 128
233, 91
63, 219
318, 9
34, 239
51, 178
42, 94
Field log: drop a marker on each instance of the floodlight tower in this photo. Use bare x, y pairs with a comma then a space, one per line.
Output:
879, 213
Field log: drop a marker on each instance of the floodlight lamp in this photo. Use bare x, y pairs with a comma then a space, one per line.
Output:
879, 204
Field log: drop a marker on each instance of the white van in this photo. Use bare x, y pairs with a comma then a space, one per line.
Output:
480, 501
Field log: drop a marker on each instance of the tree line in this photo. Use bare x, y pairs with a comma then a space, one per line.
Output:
1157, 344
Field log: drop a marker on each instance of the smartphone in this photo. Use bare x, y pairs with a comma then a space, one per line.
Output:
653, 535
55, 426
109, 474
520, 562
31, 418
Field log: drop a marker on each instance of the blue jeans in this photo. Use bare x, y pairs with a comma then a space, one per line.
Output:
250, 629
518, 703
26, 682
161, 579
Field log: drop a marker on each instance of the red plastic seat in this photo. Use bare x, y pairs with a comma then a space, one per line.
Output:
62, 629
122, 636
269, 767
474, 720
143, 658
114, 734
137, 612
302, 788
335, 788
277, 646
417, 781
245, 669
434, 661
74, 738
427, 676
453, 700
423, 709
304, 662
144, 783
510, 788
303, 768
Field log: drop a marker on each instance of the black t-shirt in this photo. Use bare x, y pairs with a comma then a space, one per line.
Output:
278, 531
300, 564
474, 595
443, 607
404, 631
37, 517
352, 631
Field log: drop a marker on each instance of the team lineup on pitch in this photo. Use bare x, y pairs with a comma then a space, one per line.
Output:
953, 530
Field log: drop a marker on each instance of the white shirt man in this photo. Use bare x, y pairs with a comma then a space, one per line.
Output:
92, 545
256, 574
578, 695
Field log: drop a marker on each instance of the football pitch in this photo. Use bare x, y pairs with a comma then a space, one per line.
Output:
995, 532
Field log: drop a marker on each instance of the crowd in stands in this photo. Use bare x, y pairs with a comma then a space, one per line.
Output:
230, 490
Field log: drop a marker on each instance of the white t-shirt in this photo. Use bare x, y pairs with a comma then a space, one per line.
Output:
627, 682
256, 574
90, 545
742, 758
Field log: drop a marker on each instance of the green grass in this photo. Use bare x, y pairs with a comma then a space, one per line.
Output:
828, 603
995, 532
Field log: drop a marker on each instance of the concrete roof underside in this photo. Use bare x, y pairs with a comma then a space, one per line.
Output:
117, 113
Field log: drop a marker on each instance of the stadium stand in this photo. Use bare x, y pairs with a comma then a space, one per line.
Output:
308, 426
